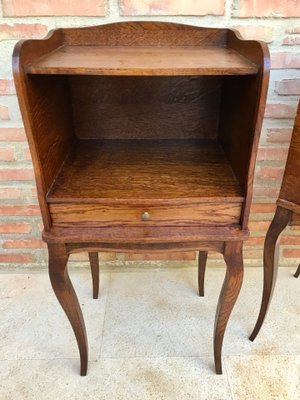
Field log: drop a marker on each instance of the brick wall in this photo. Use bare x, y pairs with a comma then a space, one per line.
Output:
275, 21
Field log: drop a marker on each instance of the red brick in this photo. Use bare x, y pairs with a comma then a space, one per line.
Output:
291, 40
290, 240
4, 113
272, 153
7, 86
12, 135
34, 192
285, 59
255, 241
288, 87
270, 173
103, 256
7, 154
10, 193
19, 31
172, 7
279, 135
27, 154
81, 257
293, 29
260, 226
266, 192
16, 174
15, 228
291, 253
21, 8
263, 8
256, 32
280, 110
23, 244
16, 258
161, 256
263, 208
295, 228
20, 210
250, 254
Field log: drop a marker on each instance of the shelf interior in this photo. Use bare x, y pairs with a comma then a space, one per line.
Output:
98, 170
142, 60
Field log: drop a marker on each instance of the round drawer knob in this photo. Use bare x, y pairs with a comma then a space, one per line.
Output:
145, 216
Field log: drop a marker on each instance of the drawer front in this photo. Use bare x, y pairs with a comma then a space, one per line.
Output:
106, 215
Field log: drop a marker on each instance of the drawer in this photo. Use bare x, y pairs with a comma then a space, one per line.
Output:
65, 214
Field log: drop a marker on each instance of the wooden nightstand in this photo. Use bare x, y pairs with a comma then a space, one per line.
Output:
143, 137
287, 212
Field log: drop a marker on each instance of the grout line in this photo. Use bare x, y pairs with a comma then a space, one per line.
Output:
227, 377
104, 317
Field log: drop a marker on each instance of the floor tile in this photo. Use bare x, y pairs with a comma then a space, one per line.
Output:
157, 314
32, 323
264, 377
156, 338
117, 379
282, 321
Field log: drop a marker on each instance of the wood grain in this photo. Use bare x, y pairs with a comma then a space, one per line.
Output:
271, 255
170, 237
186, 214
145, 33
50, 106
28, 50
202, 259
240, 131
65, 293
140, 170
287, 212
131, 60
233, 257
145, 107
290, 188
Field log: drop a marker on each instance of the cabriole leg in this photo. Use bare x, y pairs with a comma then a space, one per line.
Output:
202, 258
66, 295
297, 273
279, 222
94, 262
233, 257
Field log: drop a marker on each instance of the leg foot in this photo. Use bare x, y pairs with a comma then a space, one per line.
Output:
94, 262
233, 257
202, 258
279, 222
66, 295
297, 273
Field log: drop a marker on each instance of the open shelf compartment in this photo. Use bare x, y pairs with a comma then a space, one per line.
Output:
141, 170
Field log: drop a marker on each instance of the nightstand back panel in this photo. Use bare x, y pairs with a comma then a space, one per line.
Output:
145, 107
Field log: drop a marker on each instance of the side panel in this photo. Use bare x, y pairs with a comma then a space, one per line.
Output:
242, 112
290, 189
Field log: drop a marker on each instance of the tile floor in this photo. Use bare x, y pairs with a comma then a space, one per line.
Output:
150, 337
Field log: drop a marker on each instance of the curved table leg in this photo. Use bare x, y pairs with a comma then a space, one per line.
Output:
297, 273
66, 295
233, 256
202, 258
94, 263
279, 222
